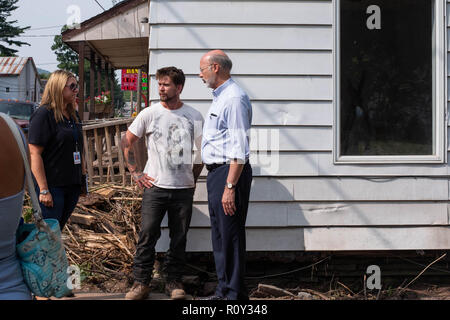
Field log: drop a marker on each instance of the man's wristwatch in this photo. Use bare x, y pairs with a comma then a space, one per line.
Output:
230, 185
44, 192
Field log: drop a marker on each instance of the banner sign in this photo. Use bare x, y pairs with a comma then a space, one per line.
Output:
130, 79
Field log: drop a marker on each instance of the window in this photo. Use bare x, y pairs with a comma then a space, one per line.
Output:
7, 89
390, 81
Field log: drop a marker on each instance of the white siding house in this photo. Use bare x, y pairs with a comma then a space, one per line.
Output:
306, 196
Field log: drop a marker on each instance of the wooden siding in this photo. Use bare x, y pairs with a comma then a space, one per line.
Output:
282, 53
123, 26
326, 239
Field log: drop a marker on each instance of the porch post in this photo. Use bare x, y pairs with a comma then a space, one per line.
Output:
139, 91
81, 81
99, 76
92, 87
112, 79
106, 76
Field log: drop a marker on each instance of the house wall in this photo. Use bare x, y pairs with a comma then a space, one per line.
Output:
22, 86
282, 53
11, 82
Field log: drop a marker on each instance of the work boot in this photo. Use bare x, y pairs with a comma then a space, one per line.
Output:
175, 290
138, 291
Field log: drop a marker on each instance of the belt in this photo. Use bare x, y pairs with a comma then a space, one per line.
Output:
213, 166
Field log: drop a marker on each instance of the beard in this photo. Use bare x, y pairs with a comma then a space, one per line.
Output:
211, 81
167, 97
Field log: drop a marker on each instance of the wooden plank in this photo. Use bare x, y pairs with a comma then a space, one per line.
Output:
84, 219
92, 85
325, 239
308, 88
103, 240
110, 29
326, 167
81, 93
371, 189
109, 151
91, 142
241, 37
307, 113
261, 62
117, 139
128, 19
380, 238
241, 12
367, 214
285, 164
325, 214
334, 189
279, 138
107, 123
89, 159
99, 152
199, 240
263, 189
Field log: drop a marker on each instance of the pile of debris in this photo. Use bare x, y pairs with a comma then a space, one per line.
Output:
101, 235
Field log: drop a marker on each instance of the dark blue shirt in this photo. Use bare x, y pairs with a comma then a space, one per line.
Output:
60, 140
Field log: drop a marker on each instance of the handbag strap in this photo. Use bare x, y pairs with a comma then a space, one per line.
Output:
37, 212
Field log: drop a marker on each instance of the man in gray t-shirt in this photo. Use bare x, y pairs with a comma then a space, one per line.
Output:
171, 129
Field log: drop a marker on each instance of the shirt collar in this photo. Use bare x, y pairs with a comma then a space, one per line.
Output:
223, 86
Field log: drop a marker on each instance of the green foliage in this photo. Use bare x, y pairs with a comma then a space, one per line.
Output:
67, 58
27, 215
8, 30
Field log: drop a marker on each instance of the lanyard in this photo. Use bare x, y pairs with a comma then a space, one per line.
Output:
72, 124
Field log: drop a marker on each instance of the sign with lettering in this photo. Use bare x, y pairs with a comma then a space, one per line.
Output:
130, 79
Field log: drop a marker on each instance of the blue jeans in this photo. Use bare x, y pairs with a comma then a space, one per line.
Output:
65, 200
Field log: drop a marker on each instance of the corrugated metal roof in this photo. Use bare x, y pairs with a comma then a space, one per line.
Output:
12, 65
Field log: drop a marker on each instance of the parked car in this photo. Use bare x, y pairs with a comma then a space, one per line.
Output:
20, 111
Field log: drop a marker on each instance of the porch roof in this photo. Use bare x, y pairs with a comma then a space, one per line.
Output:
120, 35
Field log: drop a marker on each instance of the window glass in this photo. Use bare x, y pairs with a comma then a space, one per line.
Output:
386, 77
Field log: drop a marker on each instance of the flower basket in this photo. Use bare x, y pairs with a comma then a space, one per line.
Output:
103, 102
108, 108
99, 107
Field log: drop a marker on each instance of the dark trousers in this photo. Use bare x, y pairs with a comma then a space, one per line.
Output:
155, 203
228, 232
65, 200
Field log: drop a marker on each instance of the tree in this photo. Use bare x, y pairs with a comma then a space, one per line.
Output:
7, 29
67, 58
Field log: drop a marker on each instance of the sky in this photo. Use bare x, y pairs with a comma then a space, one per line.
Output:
46, 18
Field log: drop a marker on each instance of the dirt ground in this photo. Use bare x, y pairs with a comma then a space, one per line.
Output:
277, 279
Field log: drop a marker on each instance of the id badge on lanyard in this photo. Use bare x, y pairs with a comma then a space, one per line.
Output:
76, 154
76, 157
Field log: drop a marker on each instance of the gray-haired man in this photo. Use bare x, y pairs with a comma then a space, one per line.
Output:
225, 151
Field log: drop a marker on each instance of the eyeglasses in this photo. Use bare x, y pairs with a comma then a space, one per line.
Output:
73, 86
201, 69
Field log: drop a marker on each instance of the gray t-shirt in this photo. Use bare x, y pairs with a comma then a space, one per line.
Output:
170, 136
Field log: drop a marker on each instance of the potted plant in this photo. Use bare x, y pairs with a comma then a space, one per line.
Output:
103, 102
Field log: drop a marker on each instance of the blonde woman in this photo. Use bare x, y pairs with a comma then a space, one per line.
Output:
56, 147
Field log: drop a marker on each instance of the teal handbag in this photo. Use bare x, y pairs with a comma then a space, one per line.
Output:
39, 246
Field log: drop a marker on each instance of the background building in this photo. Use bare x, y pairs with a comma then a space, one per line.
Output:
19, 79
